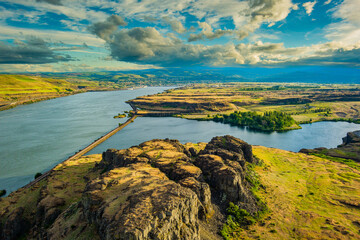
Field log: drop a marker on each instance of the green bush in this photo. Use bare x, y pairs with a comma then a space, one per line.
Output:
2, 192
237, 218
37, 175
241, 216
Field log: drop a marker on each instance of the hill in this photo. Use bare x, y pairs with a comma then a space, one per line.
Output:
23, 89
186, 75
163, 189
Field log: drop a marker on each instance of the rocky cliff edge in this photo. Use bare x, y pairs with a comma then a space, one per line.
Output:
160, 189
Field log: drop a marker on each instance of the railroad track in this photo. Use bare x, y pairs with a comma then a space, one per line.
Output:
83, 151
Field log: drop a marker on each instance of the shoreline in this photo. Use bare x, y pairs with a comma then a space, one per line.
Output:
82, 152
45, 98
15, 104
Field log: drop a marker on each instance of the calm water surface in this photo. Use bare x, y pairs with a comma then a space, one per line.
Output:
320, 134
36, 137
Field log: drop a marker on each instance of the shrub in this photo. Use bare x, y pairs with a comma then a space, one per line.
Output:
2, 192
241, 216
37, 175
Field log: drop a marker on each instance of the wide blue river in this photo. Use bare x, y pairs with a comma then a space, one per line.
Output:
36, 137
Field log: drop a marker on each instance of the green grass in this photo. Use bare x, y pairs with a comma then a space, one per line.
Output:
306, 197
18, 84
22, 89
348, 162
239, 219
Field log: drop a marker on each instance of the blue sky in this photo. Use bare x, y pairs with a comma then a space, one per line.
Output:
100, 35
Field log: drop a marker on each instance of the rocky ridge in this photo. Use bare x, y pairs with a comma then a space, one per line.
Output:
160, 189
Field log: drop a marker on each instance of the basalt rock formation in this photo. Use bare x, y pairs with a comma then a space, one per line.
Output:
160, 189
349, 149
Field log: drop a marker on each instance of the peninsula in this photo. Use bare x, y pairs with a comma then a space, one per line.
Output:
262, 106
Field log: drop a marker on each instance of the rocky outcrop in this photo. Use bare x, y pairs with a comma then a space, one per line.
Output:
351, 137
160, 189
349, 149
178, 105
223, 162
146, 205
15, 225
48, 208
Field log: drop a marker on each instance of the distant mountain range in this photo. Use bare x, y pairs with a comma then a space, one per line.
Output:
171, 76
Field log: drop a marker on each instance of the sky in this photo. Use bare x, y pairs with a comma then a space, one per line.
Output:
112, 35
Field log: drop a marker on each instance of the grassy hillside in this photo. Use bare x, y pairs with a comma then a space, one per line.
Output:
309, 197
65, 183
17, 84
22, 89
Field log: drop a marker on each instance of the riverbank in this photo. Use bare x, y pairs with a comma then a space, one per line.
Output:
85, 150
35, 137
305, 103
33, 99
283, 195
18, 90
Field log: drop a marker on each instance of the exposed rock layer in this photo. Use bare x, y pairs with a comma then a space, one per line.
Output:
160, 189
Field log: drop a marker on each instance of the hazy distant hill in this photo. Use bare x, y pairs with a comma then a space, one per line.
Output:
178, 76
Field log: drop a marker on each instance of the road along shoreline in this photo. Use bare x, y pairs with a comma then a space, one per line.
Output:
84, 150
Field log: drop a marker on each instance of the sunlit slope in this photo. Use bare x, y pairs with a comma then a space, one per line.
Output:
21, 89
308, 197
16, 84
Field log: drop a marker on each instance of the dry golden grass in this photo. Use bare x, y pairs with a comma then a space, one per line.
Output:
203, 100
66, 182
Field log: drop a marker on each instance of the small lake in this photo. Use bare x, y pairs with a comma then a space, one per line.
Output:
36, 137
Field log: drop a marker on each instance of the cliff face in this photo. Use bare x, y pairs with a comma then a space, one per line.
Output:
160, 189
180, 105
351, 137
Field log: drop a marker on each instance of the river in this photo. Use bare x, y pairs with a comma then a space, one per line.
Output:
36, 137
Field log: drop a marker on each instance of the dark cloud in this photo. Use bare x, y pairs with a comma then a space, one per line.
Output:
334, 57
53, 2
32, 51
106, 28
149, 46
268, 48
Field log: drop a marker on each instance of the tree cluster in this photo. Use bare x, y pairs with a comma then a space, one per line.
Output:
269, 121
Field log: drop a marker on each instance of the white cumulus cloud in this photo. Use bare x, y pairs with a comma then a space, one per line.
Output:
309, 7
